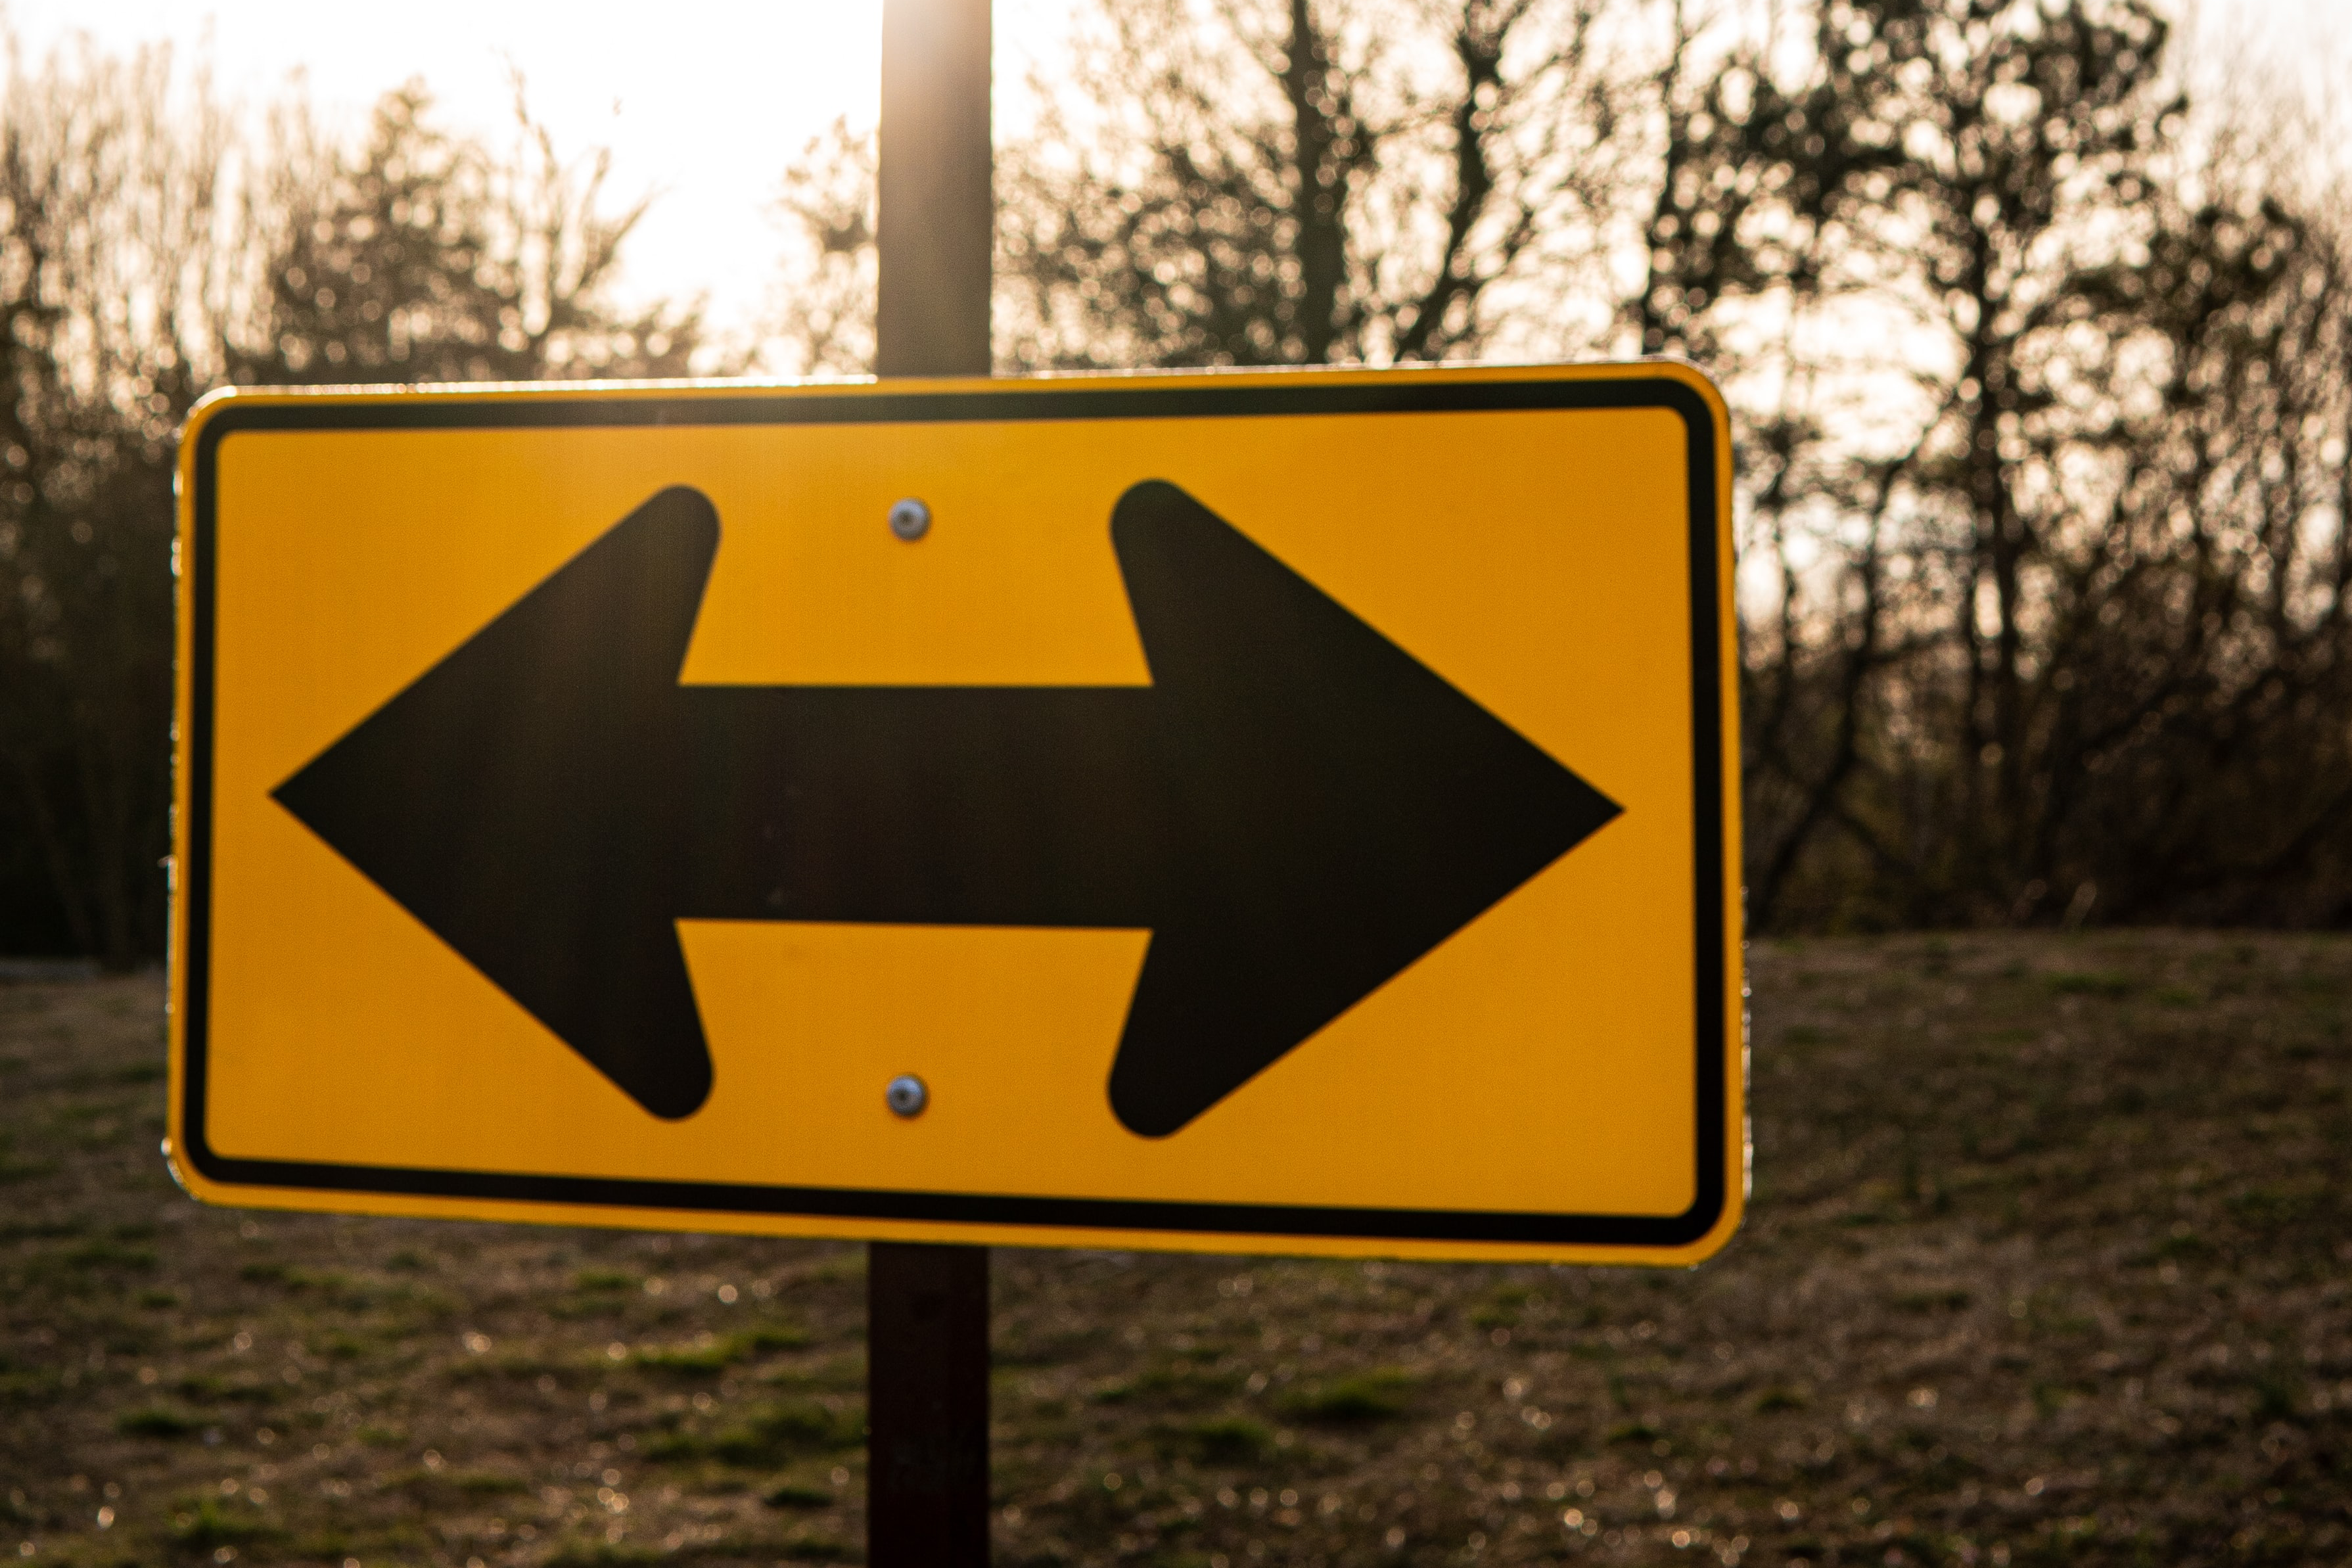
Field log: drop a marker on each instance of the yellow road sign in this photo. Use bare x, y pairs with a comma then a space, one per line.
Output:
1290, 812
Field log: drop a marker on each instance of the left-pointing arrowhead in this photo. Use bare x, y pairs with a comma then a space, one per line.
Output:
518, 800
1337, 809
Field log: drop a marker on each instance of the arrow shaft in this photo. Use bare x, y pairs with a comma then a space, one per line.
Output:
927, 805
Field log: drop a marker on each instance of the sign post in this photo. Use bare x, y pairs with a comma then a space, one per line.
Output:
927, 1347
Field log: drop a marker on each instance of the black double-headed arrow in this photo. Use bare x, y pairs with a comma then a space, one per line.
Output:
1294, 807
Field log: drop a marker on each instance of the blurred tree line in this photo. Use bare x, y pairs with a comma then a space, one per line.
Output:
150, 251
2041, 374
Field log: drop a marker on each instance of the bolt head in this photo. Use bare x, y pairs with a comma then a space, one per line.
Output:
910, 519
907, 1095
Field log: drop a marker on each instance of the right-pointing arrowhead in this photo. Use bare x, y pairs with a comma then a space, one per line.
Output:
515, 799
1340, 809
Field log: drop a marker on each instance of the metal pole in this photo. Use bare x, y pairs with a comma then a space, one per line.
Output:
927, 1407
936, 230
927, 1306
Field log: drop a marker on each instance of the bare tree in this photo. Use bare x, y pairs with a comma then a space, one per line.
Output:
2056, 618
421, 256
113, 262
146, 254
1299, 182
2039, 400
825, 320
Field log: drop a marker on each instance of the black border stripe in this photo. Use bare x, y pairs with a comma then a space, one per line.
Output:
1201, 397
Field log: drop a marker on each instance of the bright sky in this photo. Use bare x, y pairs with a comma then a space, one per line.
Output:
703, 101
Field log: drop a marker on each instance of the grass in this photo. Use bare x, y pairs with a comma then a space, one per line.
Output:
156, 1421
2047, 1263
213, 1523
1359, 1400
770, 1436
1222, 1441
2107, 983
797, 1494
711, 1354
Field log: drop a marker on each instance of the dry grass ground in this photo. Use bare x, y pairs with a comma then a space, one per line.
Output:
2047, 1263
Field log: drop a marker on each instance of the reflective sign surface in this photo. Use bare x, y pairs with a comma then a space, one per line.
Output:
1290, 812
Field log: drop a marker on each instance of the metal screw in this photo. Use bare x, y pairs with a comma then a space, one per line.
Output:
910, 519
907, 1095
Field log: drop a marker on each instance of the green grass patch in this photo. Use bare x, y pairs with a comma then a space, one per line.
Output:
29, 1386
603, 1280
2277, 1204
338, 1345
789, 1493
157, 1421
207, 1388
211, 1524
2278, 1395
1170, 1384
767, 1437
1948, 1299
596, 1293
108, 1254
2104, 983
15, 1167
2183, 1247
601, 1554
1503, 1307
714, 1353
1381, 1394
702, 1357
453, 1486
1224, 1440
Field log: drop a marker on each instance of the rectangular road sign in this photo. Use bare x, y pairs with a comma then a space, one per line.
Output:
1285, 812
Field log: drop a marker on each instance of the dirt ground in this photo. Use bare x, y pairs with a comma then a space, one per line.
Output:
2047, 1262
